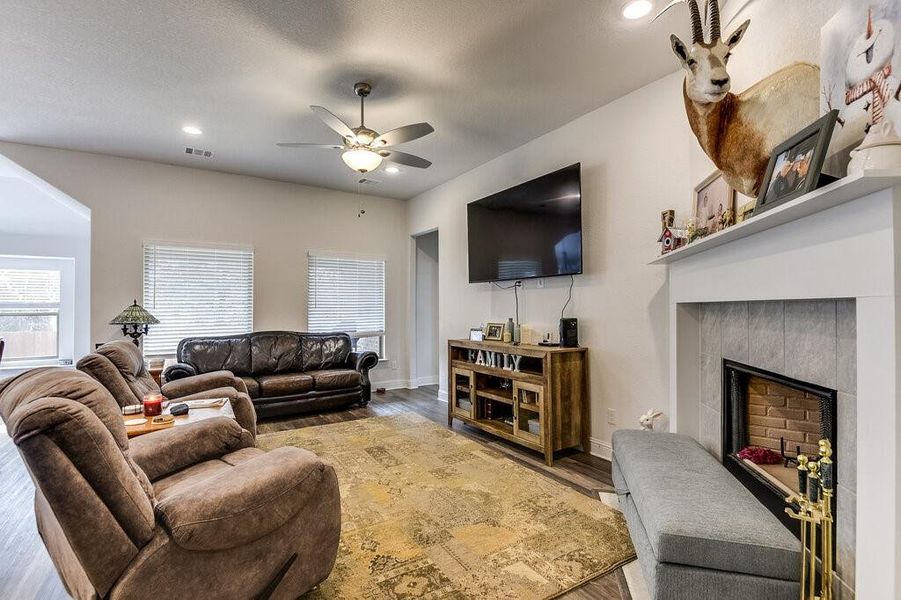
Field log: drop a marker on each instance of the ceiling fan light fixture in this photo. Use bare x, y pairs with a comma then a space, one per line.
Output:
362, 160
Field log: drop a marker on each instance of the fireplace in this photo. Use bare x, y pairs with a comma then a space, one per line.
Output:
768, 416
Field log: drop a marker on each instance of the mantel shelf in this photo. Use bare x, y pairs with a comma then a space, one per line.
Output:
844, 190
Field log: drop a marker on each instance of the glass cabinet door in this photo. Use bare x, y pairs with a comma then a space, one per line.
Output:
528, 402
463, 393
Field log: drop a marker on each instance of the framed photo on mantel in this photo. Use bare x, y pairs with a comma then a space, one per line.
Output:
796, 165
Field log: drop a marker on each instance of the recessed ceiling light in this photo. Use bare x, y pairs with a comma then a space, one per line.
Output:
191, 130
392, 170
637, 9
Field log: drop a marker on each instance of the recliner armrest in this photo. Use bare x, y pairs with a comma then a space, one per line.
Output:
169, 450
197, 383
362, 361
178, 371
249, 501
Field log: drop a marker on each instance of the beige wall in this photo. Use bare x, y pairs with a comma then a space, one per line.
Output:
133, 201
638, 158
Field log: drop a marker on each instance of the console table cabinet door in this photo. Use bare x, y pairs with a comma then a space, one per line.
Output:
528, 404
463, 393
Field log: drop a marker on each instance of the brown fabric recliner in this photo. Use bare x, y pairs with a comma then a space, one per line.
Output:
120, 367
188, 512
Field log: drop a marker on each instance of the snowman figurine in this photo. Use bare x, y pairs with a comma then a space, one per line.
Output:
869, 71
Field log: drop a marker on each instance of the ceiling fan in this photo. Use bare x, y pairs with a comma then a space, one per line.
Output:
364, 149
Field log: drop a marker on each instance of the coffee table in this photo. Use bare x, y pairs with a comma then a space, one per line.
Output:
194, 415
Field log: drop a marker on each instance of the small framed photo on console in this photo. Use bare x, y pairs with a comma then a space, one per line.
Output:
796, 165
494, 332
476, 334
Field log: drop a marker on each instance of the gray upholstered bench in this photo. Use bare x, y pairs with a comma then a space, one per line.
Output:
699, 534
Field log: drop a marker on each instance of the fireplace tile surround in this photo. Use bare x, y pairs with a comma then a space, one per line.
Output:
813, 341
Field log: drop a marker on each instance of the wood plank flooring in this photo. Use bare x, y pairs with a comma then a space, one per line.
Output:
26, 572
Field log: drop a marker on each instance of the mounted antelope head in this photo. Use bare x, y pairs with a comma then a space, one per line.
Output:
739, 131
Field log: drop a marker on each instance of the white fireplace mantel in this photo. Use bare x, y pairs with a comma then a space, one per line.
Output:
842, 241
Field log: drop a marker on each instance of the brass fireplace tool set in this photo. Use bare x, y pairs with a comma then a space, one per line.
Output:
813, 508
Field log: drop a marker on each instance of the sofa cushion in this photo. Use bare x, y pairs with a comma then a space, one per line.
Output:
253, 386
275, 352
325, 351
285, 384
226, 353
336, 379
696, 513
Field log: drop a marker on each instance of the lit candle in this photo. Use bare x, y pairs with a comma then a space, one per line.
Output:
153, 404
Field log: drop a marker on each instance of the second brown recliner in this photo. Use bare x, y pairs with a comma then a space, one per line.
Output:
189, 512
119, 366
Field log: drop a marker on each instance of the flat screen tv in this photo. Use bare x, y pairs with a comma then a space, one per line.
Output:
531, 230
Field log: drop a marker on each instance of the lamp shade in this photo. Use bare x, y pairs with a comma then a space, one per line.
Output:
362, 160
134, 315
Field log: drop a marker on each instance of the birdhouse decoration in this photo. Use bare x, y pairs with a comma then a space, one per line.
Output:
671, 239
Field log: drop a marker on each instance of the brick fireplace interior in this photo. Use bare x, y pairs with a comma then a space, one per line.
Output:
785, 420
768, 419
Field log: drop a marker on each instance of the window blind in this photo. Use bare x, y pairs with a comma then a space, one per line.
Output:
196, 291
346, 294
29, 288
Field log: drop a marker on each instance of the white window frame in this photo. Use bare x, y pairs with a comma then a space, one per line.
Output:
354, 335
149, 301
65, 341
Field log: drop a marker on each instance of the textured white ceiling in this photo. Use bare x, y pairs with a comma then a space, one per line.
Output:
123, 77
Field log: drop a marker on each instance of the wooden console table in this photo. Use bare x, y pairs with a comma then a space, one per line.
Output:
543, 405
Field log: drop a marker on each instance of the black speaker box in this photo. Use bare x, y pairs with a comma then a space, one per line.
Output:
569, 333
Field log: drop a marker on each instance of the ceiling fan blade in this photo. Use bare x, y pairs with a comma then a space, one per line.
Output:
407, 133
305, 145
402, 158
332, 121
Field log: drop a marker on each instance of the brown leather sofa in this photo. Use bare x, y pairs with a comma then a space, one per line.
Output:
285, 372
119, 366
189, 512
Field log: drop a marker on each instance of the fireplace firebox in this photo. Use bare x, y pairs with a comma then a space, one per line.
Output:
768, 419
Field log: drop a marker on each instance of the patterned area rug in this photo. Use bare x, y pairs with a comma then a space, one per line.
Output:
428, 513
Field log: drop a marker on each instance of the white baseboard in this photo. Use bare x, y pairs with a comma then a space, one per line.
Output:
393, 384
601, 449
442, 395
404, 384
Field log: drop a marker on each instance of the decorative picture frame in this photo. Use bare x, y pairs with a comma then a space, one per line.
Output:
476, 334
494, 332
796, 165
713, 205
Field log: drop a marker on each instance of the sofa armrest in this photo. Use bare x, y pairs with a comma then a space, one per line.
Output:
169, 450
249, 501
362, 361
178, 371
197, 383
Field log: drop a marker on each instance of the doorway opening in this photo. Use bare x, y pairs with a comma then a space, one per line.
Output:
425, 299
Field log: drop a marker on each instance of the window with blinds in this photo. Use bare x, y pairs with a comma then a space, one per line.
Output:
196, 291
29, 314
348, 294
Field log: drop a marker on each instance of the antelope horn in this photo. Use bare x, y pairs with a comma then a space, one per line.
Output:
666, 8
870, 24
697, 29
713, 6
